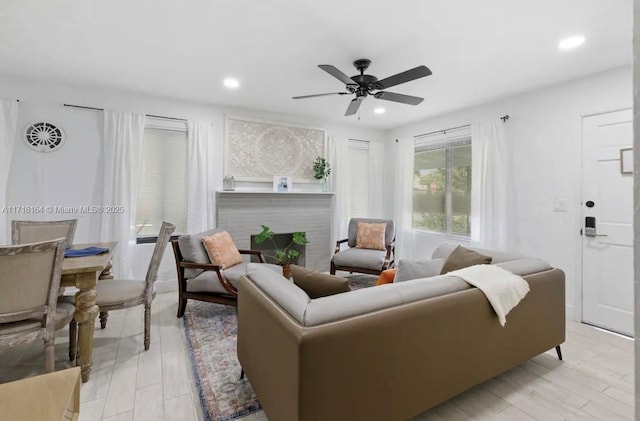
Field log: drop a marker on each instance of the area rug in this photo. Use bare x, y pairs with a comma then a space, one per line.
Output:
211, 333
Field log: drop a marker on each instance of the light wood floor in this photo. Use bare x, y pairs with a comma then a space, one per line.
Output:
594, 382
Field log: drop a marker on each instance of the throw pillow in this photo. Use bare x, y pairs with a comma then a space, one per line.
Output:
317, 284
370, 235
221, 250
416, 269
461, 258
386, 277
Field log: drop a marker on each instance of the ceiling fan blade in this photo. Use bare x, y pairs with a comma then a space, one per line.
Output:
405, 99
353, 107
333, 71
407, 76
315, 95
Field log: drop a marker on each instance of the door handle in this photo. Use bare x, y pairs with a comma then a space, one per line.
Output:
590, 227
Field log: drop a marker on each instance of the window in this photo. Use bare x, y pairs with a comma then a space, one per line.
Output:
358, 187
162, 195
442, 185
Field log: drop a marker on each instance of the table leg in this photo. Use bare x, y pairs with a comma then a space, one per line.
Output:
86, 312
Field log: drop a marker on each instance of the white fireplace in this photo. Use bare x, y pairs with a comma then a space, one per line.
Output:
242, 213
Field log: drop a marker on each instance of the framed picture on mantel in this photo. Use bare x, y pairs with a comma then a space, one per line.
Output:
282, 184
255, 150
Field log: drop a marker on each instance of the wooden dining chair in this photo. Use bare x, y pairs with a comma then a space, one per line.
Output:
119, 294
23, 232
29, 309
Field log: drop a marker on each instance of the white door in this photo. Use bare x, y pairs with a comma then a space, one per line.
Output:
607, 206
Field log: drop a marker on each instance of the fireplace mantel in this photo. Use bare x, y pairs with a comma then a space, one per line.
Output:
242, 212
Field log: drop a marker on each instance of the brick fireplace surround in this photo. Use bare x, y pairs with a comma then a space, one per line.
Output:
241, 214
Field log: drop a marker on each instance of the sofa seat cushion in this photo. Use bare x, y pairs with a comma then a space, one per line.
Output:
114, 291
317, 284
360, 258
192, 250
208, 280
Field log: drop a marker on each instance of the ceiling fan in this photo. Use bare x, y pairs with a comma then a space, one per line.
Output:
364, 85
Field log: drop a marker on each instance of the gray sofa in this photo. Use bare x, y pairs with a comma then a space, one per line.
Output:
388, 352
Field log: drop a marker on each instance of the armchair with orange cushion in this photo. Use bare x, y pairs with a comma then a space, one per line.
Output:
371, 247
209, 266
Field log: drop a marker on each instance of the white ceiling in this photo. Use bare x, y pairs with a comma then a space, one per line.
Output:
478, 50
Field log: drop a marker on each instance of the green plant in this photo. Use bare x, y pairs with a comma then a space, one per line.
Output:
321, 168
286, 255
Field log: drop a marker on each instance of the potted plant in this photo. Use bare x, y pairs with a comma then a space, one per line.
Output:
321, 170
284, 256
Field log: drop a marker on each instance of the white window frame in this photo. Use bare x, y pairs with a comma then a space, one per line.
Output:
446, 139
167, 124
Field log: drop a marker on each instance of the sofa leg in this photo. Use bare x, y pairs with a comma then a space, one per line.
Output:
333, 268
559, 352
242, 374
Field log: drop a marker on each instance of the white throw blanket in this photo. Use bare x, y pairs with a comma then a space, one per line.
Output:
503, 289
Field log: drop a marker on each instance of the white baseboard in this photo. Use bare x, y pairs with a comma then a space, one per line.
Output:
169, 285
570, 311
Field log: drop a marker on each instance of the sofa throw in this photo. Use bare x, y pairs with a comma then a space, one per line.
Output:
317, 284
371, 235
221, 250
503, 289
461, 258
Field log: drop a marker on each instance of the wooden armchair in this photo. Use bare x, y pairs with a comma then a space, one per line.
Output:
362, 260
199, 279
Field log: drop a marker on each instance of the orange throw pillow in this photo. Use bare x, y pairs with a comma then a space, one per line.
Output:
370, 236
386, 277
221, 250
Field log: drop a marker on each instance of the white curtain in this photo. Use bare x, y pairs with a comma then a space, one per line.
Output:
200, 212
376, 177
122, 153
403, 198
338, 152
8, 124
490, 216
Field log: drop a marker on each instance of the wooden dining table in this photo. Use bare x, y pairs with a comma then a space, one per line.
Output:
83, 273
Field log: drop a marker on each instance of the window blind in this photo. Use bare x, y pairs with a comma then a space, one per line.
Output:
162, 194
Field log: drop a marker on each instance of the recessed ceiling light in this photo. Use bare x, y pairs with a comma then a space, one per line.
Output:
570, 43
379, 110
231, 83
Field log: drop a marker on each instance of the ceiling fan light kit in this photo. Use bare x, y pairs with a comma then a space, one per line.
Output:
364, 85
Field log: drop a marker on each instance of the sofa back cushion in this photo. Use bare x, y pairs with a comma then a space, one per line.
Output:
414, 269
192, 250
461, 258
288, 296
389, 232
444, 250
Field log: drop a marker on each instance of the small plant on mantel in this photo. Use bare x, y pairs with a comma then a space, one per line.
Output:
284, 256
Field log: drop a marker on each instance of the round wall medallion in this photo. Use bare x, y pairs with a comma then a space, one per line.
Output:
44, 136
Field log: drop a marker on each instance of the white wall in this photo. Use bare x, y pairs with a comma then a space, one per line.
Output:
71, 175
545, 129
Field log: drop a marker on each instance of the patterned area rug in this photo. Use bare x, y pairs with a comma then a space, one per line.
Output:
211, 332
